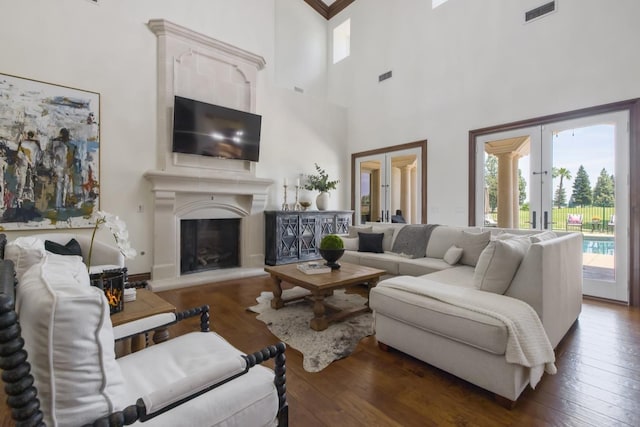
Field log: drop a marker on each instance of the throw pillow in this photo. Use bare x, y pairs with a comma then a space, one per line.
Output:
472, 245
24, 252
498, 263
387, 240
71, 248
370, 242
350, 243
453, 255
541, 237
355, 229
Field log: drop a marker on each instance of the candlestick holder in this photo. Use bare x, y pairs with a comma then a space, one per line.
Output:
297, 206
285, 205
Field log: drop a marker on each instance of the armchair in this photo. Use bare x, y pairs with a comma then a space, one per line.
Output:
59, 370
574, 220
103, 256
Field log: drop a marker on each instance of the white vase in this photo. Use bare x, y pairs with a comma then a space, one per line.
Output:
322, 201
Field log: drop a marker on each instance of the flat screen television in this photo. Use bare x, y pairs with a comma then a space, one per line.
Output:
216, 131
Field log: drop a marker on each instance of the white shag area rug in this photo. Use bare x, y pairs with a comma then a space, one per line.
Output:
319, 348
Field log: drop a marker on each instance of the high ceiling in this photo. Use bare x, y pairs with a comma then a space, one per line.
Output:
328, 8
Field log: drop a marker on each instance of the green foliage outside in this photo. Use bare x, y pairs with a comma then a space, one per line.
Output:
581, 195
331, 241
604, 192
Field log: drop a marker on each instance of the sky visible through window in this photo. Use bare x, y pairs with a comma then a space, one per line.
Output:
592, 147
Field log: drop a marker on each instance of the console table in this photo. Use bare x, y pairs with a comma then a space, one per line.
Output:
293, 236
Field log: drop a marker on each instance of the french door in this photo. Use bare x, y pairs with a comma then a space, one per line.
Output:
388, 186
566, 176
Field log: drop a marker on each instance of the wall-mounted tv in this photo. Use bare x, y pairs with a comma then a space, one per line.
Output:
216, 131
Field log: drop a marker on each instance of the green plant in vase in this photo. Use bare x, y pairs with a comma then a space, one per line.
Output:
332, 249
320, 182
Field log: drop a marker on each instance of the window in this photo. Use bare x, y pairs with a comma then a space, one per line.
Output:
341, 41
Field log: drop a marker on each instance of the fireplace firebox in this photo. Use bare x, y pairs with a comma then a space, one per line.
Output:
209, 244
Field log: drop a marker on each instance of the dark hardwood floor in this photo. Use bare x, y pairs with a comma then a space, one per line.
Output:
597, 384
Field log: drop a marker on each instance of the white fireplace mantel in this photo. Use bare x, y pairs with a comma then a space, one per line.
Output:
227, 183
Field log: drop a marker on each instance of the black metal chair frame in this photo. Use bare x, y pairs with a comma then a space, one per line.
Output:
22, 396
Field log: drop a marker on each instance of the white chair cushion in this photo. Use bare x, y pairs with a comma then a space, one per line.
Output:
24, 252
250, 400
69, 338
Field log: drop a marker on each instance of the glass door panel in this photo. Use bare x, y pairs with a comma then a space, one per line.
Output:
388, 188
564, 176
590, 158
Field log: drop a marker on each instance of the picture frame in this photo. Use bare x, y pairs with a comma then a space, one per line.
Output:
49, 155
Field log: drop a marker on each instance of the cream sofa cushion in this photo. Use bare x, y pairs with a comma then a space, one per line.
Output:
68, 335
441, 239
388, 232
466, 326
472, 245
355, 229
498, 263
24, 252
541, 237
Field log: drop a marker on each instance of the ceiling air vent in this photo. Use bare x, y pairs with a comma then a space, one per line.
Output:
540, 11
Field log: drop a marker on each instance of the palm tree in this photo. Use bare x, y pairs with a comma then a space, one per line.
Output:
562, 173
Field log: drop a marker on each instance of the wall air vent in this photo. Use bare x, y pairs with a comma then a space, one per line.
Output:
540, 11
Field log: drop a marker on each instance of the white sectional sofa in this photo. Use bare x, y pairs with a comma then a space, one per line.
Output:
497, 266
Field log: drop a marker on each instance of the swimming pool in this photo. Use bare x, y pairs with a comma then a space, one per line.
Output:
598, 245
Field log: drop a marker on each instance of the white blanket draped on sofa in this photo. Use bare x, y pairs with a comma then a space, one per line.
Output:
527, 342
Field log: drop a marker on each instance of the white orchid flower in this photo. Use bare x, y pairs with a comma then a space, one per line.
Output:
118, 228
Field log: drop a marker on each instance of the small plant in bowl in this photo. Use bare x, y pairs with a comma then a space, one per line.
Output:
331, 249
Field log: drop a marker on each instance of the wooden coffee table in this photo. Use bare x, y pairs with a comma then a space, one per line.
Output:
321, 286
146, 304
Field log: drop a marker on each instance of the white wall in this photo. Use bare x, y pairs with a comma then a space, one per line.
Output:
471, 64
107, 48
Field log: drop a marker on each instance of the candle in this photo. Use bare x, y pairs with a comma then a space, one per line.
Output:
298, 182
285, 181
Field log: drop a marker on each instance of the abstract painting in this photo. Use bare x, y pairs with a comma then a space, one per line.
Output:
49, 155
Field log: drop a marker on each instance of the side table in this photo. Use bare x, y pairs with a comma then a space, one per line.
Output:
146, 304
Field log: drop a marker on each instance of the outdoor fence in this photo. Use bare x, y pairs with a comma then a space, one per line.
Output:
595, 219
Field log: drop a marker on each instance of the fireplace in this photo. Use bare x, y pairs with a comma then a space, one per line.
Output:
209, 244
188, 187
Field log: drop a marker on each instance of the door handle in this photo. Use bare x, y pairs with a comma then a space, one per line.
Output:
546, 220
533, 217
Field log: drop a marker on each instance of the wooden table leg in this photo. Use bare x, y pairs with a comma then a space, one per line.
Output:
138, 342
319, 321
160, 335
370, 285
277, 301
